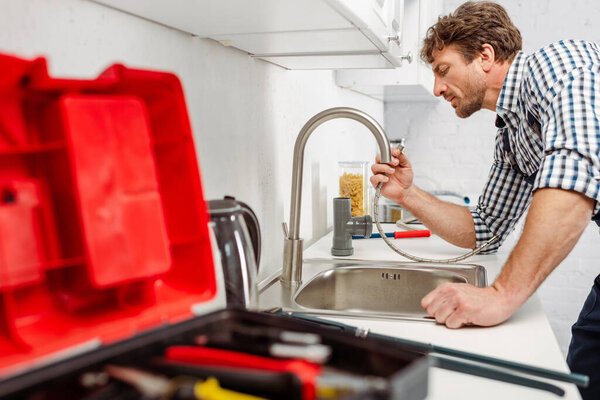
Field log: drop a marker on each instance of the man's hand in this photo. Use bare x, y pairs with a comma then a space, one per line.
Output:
399, 176
459, 304
554, 223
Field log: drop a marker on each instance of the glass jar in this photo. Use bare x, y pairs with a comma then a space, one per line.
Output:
389, 211
353, 184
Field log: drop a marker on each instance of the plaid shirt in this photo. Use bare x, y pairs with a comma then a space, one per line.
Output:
548, 134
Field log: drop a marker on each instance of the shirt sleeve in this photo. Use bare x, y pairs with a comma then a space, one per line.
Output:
571, 131
505, 197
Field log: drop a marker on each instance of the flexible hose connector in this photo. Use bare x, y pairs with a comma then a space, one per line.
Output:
415, 258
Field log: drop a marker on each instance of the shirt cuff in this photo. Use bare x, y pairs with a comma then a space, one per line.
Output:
569, 172
483, 234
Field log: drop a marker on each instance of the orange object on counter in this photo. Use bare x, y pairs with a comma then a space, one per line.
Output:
412, 234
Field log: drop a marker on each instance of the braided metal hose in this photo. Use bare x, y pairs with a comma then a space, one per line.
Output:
415, 258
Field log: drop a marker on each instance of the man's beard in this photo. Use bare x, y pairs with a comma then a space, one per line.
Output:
472, 101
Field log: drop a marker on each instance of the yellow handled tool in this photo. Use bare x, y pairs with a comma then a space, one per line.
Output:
211, 390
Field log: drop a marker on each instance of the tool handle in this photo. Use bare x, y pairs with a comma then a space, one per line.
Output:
496, 374
269, 384
578, 379
211, 390
373, 236
412, 234
306, 371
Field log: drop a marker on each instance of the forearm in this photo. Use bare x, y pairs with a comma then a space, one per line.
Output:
451, 222
556, 220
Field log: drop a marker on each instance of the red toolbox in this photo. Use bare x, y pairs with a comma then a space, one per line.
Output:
104, 241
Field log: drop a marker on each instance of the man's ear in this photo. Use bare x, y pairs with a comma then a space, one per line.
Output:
488, 57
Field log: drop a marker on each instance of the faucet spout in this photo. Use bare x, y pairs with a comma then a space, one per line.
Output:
292, 251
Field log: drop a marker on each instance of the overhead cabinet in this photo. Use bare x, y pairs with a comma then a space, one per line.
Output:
412, 82
295, 34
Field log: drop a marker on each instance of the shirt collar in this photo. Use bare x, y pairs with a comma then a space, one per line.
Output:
508, 98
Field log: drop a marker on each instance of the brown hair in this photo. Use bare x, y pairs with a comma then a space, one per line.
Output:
472, 25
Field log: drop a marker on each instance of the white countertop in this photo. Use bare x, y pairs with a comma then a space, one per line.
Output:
526, 337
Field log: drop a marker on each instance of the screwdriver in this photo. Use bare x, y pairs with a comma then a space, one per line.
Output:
398, 235
316, 353
183, 388
269, 342
317, 382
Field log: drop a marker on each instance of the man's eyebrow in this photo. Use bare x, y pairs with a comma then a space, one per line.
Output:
438, 67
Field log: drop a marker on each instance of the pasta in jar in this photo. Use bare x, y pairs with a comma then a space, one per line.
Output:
353, 184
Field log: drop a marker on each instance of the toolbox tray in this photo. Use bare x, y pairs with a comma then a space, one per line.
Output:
405, 367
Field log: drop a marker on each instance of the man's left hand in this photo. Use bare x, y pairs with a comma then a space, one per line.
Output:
459, 304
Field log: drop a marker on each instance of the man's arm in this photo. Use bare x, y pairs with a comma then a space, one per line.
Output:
452, 222
503, 200
556, 220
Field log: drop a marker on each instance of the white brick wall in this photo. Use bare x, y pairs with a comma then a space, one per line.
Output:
454, 154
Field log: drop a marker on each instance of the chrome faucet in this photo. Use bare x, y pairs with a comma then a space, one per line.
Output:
291, 274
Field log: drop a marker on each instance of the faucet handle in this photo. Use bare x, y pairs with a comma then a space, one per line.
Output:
286, 232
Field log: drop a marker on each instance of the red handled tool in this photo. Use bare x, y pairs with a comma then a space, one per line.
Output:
398, 235
412, 234
306, 371
315, 379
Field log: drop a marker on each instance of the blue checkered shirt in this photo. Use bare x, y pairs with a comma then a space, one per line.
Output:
548, 134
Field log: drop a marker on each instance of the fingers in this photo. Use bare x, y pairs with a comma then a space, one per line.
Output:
456, 320
431, 297
460, 304
382, 169
394, 152
379, 168
439, 304
378, 173
444, 310
444, 304
376, 179
403, 160
395, 157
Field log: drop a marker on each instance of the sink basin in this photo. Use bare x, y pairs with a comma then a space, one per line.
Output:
383, 290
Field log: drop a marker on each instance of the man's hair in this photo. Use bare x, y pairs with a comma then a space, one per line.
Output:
472, 25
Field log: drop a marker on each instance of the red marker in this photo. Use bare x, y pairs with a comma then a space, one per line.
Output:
412, 234
397, 235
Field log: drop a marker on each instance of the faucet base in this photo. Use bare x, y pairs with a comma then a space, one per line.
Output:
290, 284
291, 275
342, 252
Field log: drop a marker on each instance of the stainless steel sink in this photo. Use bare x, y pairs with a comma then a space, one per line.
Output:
382, 290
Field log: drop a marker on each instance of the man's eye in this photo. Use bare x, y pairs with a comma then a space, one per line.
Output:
443, 71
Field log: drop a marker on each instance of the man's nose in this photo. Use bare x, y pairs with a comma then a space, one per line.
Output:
439, 88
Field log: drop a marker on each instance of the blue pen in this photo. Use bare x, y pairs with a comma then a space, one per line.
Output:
374, 235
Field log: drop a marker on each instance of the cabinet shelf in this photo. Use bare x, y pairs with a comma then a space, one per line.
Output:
294, 34
412, 82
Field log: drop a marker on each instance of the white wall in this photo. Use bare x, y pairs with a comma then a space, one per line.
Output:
454, 154
245, 113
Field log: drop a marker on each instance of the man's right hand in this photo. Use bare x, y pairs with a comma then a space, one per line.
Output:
399, 176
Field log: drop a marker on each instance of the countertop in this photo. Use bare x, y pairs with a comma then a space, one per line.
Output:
526, 337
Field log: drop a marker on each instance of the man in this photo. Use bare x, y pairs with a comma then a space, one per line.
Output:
546, 157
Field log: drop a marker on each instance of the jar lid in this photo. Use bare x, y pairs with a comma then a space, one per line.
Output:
346, 164
223, 206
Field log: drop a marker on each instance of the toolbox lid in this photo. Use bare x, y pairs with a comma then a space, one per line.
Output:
103, 224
